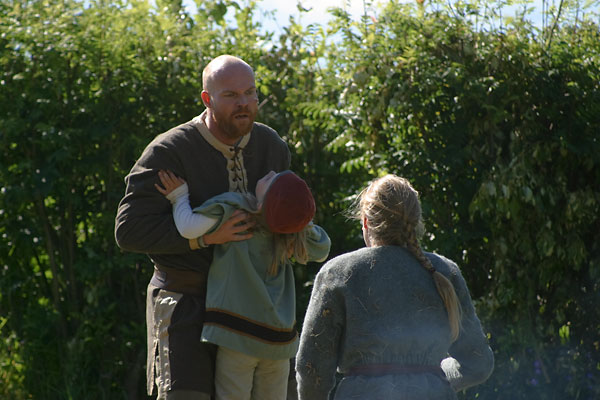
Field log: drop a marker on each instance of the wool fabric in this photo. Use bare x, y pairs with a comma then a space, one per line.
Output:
289, 205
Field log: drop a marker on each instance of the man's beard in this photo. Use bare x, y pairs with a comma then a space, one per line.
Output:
234, 128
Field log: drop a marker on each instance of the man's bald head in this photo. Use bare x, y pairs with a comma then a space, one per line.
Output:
230, 98
222, 66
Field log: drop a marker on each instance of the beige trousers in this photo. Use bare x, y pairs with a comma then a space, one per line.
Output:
242, 377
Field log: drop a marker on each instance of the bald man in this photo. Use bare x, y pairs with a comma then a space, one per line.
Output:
221, 150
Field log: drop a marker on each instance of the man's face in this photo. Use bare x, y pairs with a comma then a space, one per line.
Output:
234, 102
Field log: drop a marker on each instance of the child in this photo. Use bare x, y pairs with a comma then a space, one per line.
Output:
250, 304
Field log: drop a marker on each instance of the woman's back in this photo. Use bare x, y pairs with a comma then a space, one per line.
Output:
377, 308
398, 323
394, 313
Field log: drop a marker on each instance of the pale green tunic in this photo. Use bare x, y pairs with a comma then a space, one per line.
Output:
247, 309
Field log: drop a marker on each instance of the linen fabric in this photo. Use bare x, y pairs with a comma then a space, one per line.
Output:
243, 377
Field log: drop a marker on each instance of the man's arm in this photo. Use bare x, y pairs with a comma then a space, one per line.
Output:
144, 222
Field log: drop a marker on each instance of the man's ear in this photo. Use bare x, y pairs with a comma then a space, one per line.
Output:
205, 98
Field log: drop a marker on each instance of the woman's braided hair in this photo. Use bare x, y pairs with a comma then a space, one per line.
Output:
393, 212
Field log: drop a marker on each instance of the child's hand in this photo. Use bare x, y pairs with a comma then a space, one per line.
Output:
170, 182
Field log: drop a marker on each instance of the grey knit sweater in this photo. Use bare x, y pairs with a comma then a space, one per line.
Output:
378, 305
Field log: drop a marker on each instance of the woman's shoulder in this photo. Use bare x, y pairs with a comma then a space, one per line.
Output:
346, 263
337, 271
351, 257
443, 264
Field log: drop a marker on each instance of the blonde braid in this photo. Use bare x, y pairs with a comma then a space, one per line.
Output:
443, 286
393, 212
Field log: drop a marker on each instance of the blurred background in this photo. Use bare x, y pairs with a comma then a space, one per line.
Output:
490, 108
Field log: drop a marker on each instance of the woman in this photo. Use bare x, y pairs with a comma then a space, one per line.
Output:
396, 322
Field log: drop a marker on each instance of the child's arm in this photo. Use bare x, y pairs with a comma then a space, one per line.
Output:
189, 224
318, 243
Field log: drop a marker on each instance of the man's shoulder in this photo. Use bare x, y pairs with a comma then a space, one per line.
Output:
265, 132
181, 141
177, 133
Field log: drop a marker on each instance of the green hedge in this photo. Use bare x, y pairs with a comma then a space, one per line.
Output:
496, 122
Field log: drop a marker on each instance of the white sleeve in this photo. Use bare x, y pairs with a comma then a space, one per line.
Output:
189, 224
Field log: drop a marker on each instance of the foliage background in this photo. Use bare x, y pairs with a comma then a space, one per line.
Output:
495, 120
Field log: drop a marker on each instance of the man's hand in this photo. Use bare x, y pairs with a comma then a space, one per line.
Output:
235, 229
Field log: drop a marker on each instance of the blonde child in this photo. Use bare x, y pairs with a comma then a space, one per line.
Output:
250, 304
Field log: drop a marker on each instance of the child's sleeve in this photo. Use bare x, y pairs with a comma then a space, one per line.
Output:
318, 243
189, 224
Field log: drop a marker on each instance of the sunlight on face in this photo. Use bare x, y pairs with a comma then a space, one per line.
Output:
263, 185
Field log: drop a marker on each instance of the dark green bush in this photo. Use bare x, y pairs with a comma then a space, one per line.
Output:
496, 124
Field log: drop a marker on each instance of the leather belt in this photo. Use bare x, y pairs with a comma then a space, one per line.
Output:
395, 369
179, 280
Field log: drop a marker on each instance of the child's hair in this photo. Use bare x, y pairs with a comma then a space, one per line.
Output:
286, 246
393, 212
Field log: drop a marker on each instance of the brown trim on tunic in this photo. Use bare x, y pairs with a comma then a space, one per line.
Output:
250, 328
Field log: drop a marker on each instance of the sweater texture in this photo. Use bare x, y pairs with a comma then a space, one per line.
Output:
378, 305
